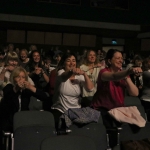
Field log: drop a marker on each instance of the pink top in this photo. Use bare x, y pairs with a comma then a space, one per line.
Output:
110, 94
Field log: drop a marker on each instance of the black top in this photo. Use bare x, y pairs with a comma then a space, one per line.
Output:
38, 80
10, 103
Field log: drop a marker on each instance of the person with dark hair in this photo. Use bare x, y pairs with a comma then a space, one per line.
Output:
136, 79
69, 82
47, 63
111, 85
145, 92
37, 71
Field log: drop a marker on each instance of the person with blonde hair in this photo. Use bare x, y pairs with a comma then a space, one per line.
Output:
17, 97
91, 66
11, 62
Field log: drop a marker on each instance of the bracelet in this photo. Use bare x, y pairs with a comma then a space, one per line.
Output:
43, 72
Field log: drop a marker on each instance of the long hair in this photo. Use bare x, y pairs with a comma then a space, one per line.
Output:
63, 59
16, 72
31, 61
86, 57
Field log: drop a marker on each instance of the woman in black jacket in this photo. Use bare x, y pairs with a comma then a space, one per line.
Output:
17, 97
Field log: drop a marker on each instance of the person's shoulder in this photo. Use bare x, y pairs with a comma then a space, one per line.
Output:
8, 87
61, 71
83, 67
104, 69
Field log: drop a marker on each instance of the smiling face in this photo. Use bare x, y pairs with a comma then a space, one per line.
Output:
70, 63
13, 62
91, 57
23, 55
36, 57
116, 61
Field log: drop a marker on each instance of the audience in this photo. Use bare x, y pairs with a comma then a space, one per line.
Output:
93, 80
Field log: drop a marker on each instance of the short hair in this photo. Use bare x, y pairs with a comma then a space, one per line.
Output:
138, 58
16, 72
11, 56
110, 55
31, 46
145, 64
25, 50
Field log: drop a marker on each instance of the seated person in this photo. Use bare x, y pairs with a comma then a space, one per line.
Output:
37, 72
145, 93
17, 97
92, 67
111, 85
69, 83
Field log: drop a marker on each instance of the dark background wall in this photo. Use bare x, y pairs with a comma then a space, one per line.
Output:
138, 12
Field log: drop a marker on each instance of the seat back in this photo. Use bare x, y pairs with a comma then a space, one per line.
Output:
96, 131
132, 101
30, 137
28, 118
68, 142
31, 128
132, 132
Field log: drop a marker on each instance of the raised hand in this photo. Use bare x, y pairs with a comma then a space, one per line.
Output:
77, 71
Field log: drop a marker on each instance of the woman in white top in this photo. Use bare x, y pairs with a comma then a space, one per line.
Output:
69, 83
92, 67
